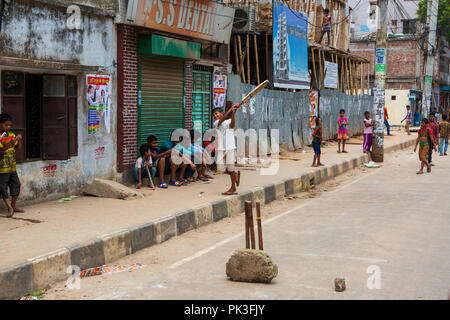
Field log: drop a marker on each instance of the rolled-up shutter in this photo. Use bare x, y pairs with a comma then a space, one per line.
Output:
161, 103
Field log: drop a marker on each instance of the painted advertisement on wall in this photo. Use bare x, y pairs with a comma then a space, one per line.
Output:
290, 48
201, 19
219, 90
98, 101
313, 110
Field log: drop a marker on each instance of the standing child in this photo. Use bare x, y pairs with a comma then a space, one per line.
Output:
142, 163
386, 121
326, 26
444, 132
368, 132
407, 119
424, 137
435, 136
226, 147
9, 179
342, 130
316, 141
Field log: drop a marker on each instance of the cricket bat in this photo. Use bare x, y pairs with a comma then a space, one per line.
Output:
254, 92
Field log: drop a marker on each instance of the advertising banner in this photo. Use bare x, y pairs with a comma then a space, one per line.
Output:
219, 90
201, 19
331, 76
98, 101
290, 48
313, 103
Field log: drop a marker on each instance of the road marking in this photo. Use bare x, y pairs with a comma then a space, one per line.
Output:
225, 241
372, 260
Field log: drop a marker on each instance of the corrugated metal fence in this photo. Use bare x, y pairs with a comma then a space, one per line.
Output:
289, 112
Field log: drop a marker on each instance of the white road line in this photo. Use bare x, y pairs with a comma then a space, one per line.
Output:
225, 241
372, 260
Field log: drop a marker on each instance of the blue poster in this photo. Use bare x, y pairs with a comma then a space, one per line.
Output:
290, 48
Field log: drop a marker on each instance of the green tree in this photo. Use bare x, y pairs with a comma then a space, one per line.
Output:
443, 15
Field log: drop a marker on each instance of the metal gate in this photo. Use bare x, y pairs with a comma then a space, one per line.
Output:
201, 98
161, 97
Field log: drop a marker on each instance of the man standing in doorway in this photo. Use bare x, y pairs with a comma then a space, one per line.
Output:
386, 122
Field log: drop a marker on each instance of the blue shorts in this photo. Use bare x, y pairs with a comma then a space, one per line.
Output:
316, 146
325, 29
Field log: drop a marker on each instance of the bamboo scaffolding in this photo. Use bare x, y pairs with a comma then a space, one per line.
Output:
314, 67
257, 60
241, 60
248, 59
236, 57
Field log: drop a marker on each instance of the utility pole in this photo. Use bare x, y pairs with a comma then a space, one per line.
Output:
432, 12
380, 81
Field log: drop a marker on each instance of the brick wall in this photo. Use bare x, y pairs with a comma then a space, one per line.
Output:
127, 70
188, 96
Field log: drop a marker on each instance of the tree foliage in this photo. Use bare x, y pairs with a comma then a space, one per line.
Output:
443, 15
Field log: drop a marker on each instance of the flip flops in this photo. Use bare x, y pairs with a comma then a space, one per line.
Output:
176, 183
163, 185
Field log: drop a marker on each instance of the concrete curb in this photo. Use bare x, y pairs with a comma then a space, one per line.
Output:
40, 272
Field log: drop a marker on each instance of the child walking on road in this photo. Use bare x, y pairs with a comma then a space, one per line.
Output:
226, 146
425, 140
342, 130
9, 179
368, 132
316, 141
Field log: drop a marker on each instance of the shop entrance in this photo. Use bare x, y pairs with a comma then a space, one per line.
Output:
201, 97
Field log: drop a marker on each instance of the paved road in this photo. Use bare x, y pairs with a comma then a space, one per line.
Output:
388, 220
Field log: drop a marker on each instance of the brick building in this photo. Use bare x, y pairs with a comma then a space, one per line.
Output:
167, 57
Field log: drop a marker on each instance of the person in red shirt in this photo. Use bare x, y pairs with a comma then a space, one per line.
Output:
434, 127
386, 122
425, 138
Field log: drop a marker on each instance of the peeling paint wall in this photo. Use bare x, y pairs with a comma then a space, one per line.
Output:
289, 112
33, 30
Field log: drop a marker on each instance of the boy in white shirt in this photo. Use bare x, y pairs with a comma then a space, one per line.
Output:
226, 147
145, 160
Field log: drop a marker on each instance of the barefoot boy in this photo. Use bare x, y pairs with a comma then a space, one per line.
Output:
368, 132
316, 141
342, 132
142, 163
9, 142
424, 138
226, 146
326, 26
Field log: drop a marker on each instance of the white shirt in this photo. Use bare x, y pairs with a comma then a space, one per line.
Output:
140, 162
225, 139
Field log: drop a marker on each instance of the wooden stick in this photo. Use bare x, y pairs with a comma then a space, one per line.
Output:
241, 61
257, 60
321, 70
150, 178
248, 59
258, 221
236, 57
314, 67
267, 55
247, 207
252, 227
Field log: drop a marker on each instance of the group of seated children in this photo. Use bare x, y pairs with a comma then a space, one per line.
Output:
156, 160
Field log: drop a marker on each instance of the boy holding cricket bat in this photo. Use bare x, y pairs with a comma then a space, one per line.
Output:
142, 163
9, 179
226, 147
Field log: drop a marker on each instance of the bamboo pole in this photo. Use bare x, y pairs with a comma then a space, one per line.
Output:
241, 60
236, 57
314, 67
248, 59
368, 78
347, 80
257, 60
320, 68
267, 55
361, 71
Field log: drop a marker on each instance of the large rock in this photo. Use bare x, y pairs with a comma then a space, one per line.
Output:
250, 265
110, 189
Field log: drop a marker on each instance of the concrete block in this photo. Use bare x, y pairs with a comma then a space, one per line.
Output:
289, 186
87, 255
203, 214
258, 194
280, 191
269, 193
166, 228
219, 209
245, 196
234, 205
185, 221
297, 185
116, 245
16, 281
142, 237
110, 189
50, 268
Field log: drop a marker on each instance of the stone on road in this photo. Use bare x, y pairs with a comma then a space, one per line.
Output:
250, 265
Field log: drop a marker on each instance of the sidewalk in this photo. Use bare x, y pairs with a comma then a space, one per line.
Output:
91, 231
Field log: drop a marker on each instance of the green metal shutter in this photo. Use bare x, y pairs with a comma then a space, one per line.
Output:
161, 104
201, 97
